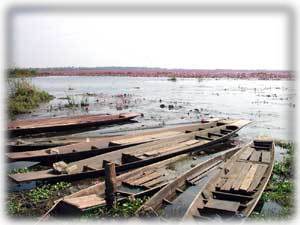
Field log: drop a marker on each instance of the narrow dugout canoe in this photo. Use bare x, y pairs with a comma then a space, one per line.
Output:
137, 156
141, 182
89, 148
231, 190
27, 127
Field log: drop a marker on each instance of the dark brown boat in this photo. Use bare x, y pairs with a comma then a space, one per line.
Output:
141, 182
136, 156
231, 189
27, 127
103, 145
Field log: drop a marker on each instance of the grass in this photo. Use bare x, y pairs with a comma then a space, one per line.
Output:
35, 202
126, 209
24, 97
281, 188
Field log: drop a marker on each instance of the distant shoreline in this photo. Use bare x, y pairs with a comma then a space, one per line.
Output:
179, 73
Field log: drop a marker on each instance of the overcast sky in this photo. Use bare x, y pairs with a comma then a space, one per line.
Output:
203, 41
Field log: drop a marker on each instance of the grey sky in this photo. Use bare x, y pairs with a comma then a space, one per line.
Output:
204, 41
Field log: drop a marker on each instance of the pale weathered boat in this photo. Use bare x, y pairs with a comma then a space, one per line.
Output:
231, 189
27, 127
137, 156
89, 148
141, 182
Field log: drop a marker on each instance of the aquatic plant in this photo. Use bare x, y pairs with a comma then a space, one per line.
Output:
125, 209
71, 102
37, 201
46, 191
24, 97
20, 170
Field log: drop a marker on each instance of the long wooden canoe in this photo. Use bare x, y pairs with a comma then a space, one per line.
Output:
144, 181
100, 146
27, 127
232, 189
136, 156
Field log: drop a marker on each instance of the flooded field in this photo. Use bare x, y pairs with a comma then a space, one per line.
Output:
269, 103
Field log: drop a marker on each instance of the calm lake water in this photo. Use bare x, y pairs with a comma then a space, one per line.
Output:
269, 103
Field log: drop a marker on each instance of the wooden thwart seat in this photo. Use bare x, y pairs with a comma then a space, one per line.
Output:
255, 156
266, 157
246, 154
261, 169
223, 205
249, 178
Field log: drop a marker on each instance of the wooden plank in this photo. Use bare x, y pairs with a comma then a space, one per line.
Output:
246, 154
145, 137
244, 170
85, 201
255, 156
145, 179
221, 182
137, 176
232, 175
249, 177
153, 182
223, 205
266, 156
167, 149
258, 176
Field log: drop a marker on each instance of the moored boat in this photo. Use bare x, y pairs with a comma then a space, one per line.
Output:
141, 182
136, 156
28, 127
89, 148
231, 189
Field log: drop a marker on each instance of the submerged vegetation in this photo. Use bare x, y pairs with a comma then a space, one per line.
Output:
280, 188
24, 97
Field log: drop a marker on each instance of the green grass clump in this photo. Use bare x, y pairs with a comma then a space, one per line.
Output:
25, 97
125, 210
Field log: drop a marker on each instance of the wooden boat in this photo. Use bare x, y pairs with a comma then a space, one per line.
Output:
231, 189
136, 156
27, 127
103, 145
141, 182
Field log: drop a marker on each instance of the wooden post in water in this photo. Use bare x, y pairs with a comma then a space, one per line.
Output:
110, 184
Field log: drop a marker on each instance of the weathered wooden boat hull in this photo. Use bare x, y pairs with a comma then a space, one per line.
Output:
97, 169
103, 145
232, 190
19, 128
85, 199
31, 147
